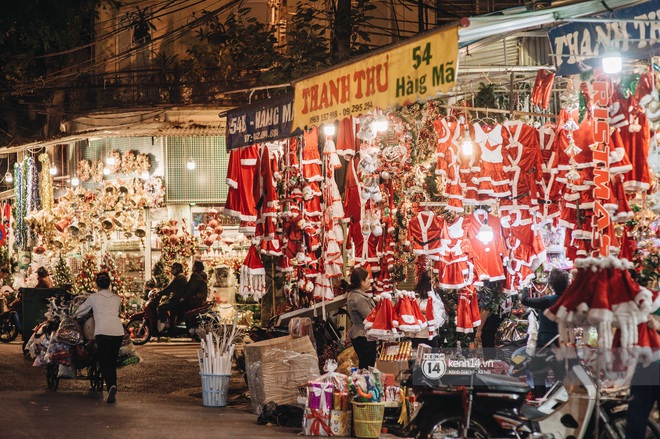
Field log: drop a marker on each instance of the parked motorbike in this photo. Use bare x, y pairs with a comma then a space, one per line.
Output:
483, 405
9, 326
144, 325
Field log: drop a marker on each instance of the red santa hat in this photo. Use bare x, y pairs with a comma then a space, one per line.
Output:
369, 320
405, 318
382, 327
430, 317
284, 265
253, 275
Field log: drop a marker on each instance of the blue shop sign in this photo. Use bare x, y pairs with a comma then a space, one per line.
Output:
260, 122
579, 46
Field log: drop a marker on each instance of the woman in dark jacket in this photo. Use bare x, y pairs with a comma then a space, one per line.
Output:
558, 282
359, 304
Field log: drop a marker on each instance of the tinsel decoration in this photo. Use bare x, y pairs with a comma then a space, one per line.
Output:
86, 279
33, 197
45, 182
84, 170
20, 231
62, 275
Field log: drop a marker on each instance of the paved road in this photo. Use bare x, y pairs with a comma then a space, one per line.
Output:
158, 398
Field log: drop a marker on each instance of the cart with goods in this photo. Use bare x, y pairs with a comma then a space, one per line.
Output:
65, 346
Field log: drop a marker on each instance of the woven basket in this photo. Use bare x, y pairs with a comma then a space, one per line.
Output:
368, 419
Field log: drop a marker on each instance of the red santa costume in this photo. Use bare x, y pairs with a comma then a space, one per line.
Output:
448, 134
636, 138
244, 168
525, 168
550, 188
491, 179
425, 232
267, 187
453, 187
488, 258
526, 249
346, 142
233, 202
311, 160
468, 316
453, 268
543, 88
352, 199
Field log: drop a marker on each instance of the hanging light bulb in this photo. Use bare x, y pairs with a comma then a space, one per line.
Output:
9, 178
75, 181
110, 160
106, 170
53, 170
329, 129
466, 147
485, 234
191, 165
612, 62
380, 124
145, 175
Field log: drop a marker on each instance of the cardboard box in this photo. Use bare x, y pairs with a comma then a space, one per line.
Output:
276, 368
395, 368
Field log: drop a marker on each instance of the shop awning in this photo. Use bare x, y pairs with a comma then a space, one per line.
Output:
485, 26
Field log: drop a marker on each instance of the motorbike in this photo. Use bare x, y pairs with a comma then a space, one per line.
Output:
142, 326
484, 405
9, 326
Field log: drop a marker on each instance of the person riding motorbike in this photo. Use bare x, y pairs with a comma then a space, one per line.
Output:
197, 289
174, 305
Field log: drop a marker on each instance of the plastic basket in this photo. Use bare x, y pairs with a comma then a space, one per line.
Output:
368, 419
215, 389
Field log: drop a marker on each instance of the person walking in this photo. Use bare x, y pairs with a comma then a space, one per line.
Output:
197, 288
108, 330
558, 281
177, 289
359, 304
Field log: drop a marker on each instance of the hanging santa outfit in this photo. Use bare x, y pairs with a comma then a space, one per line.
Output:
490, 178
526, 249
270, 206
526, 167
453, 267
425, 232
468, 316
448, 133
346, 142
488, 258
542, 89
453, 183
550, 188
636, 137
233, 202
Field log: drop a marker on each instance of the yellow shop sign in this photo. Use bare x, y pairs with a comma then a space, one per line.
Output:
418, 69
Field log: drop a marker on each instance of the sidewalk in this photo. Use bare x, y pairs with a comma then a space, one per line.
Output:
73, 414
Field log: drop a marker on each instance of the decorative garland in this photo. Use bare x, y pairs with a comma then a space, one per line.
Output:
20, 211
46, 182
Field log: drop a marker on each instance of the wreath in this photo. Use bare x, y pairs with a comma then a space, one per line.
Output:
116, 165
97, 171
129, 163
143, 162
84, 171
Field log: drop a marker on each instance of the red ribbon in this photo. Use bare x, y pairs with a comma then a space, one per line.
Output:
319, 420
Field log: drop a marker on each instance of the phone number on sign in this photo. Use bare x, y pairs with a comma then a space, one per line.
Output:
332, 115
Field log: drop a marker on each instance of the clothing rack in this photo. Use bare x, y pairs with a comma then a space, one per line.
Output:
496, 110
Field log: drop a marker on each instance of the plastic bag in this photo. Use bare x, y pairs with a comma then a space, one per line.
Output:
127, 352
66, 372
88, 329
69, 332
329, 390
58, 352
